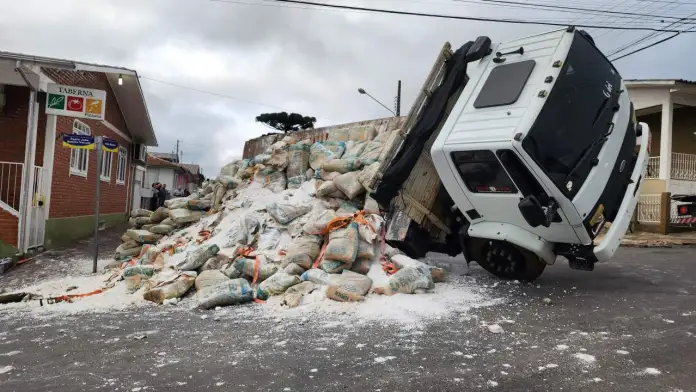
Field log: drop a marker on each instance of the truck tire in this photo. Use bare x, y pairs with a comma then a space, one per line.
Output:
506, 261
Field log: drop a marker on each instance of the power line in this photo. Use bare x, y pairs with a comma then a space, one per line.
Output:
568, 8
641, 40
457, 17
646, 47
211, 93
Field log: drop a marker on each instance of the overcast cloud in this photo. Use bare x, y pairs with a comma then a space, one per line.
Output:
304, 60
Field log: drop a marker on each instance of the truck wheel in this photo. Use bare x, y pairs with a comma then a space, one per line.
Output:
508, 261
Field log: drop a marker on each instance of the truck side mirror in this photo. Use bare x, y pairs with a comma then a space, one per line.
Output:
535, 214
479, 49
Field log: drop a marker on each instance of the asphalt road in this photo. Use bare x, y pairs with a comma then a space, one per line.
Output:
600, 333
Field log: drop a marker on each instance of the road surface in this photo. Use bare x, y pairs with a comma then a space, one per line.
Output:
628, 326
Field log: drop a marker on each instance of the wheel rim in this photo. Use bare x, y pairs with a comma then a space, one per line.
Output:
503, 259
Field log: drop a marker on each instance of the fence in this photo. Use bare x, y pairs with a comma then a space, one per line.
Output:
11, 185
683, 167
653, 167
649, 208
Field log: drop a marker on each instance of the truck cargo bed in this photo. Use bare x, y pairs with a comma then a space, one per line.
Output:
420, 218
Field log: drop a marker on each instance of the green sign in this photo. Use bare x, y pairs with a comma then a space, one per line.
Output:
56, 101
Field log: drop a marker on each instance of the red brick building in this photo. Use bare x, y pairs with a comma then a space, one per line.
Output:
47, 191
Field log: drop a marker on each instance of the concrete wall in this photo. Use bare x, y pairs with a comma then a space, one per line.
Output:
681, 187
653, 187
163, 175
257, 146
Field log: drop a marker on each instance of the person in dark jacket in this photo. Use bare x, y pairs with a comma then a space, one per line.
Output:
154, 201
161, 195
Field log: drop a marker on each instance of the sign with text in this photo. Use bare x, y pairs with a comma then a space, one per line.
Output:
72, 140
75, 101
109, 145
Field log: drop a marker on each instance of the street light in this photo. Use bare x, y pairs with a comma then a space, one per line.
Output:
362, 91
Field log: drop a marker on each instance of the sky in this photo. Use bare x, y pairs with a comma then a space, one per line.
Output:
258, 56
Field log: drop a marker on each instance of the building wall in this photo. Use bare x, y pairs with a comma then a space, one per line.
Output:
71, 214
683, 128
163, 175
8, 233
13, 136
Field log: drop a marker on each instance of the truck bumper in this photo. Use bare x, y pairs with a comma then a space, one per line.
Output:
612, 240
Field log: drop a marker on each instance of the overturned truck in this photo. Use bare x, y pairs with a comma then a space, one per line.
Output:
514, 154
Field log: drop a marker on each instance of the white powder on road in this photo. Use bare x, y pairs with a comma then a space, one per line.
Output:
492, 383
383, 359
458, 295
586, 358
561, 347
622, 352
6, 369
11, 353
111, 299
651, 371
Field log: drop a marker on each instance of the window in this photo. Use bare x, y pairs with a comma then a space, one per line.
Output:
107, 158
122, 166
504, 85
577, 112
482, 172
79, 158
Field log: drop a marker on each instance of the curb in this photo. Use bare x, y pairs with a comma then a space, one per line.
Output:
658, 245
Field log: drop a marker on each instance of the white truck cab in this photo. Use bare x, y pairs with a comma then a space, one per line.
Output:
540, 150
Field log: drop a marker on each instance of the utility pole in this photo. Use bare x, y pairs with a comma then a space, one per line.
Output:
177, 150
398, 99
97, 147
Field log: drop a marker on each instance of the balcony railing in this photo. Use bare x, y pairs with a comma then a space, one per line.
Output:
683, 167
10, 186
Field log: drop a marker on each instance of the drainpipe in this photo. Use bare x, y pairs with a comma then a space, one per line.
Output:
26, 198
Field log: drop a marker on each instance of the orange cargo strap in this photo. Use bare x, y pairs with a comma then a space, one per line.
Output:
341, 222
321, 254
68, 297
257, 264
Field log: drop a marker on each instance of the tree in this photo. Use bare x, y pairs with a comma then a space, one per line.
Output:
285, 122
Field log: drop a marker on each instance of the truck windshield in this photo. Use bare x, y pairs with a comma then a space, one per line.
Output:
575, 114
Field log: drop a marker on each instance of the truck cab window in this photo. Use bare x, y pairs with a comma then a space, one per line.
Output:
482, 172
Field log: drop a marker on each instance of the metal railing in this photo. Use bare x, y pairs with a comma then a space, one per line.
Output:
683, 167
653, 167
11, 186
649, 208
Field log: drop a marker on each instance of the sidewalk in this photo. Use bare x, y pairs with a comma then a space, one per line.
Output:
70, 260
650, 240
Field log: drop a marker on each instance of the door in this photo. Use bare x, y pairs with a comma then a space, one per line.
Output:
138, 179
37, 211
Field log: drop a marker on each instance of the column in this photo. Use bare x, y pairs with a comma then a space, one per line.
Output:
666, 141
28, 174
49, 155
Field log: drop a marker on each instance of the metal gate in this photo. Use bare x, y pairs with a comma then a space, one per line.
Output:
37, 211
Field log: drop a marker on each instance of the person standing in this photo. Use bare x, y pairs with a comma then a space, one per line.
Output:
154, 200
161, 195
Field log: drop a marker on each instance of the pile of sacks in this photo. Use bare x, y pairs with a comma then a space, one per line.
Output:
290, 222
149, 227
